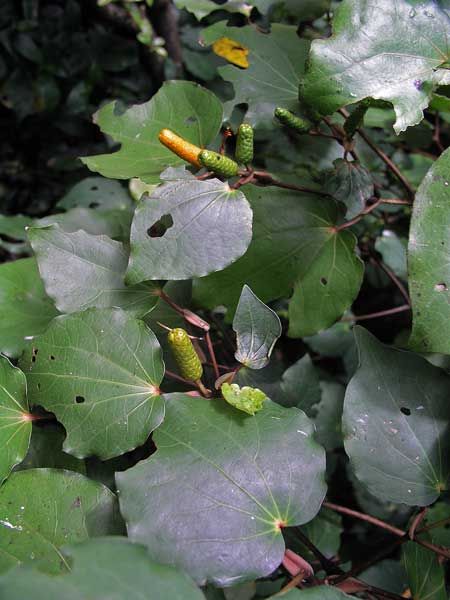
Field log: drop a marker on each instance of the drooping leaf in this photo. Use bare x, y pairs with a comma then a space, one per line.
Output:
188, 228
294, 245
107, 567
25, 308
387, 50
276, 63
257, 329
351, 184
426, 575
80, 271
96, 193
240, 478
98, 371
395, 422
15, 426
44, 509
247, 399
428, 257
191, 111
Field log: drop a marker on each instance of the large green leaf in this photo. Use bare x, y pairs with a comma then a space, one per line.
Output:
80, 271
276, 63
383, 49
257, 329
108, 567
44, 509
295, 246
428, 257
185, 107
188, 228
426, 575
396, 421
214, 497
15, 426
300, 385
25, 308
98, 371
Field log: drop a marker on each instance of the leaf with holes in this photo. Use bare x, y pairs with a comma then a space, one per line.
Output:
186, 108
188, 228
44, 509
80, 271
257, 329
428, 258
25, 308
386, 50
242, 478
276, 63
294, 246
108, 567
15, 426
97, 193
98, 371
396, 421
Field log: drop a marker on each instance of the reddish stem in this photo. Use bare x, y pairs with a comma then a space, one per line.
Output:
376, 315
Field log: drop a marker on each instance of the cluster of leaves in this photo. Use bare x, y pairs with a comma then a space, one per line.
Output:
121, 479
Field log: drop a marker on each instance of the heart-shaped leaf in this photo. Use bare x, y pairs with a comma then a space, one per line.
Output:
257, 329
44, 509
25, 308
191, 111
109, 567
188, 228
276, 63
294, 245
428, 260
15, 424
387, 50
80, 271
240, 479
98, 371
396, 420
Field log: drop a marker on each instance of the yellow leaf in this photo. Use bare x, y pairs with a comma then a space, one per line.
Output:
232, 51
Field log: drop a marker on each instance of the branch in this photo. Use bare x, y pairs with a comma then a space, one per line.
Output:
376, 315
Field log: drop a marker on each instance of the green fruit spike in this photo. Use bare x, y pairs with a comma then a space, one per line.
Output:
290, 120
244, 144
219, 164
185, 355
247, 399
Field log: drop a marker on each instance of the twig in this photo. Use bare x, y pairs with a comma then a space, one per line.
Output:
327, 565
358, 217
178, 377
376, 315
416, 522
384, 157
393, 277
265, 177
212, 355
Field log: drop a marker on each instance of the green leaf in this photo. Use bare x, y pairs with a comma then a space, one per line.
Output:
300, 385
230, 471
13, 228
80, 271
393, 251
428, 257
386, 50
193, 112
96, 193
98, 371
440, 535
202, 8
248, 399
109, 567
15, 426
276, 63
351, 184
327, 415
426, 575
295, 246
44, 509
395, 422
323, 592
25, 307
188, 228
324, 531
257, 329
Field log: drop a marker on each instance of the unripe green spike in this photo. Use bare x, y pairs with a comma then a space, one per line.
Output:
244, 144
290, 120
185, 355
218, 163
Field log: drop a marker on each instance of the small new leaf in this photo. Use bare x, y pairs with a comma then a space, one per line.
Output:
247, 399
